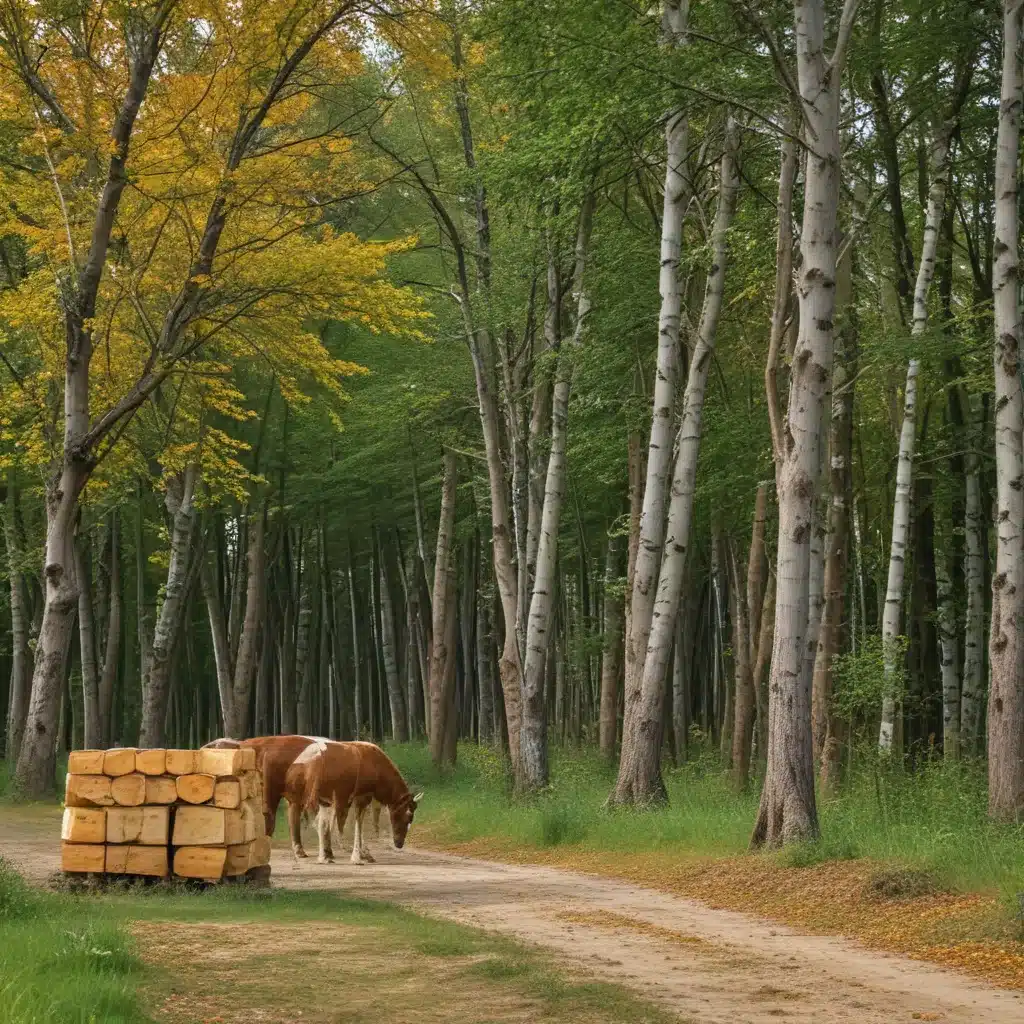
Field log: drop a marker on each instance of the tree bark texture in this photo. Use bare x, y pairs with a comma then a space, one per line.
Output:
443, 605
639, 779
787, 811
1006, 642
893, 614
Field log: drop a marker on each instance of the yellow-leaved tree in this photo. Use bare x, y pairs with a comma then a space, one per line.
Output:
173, 167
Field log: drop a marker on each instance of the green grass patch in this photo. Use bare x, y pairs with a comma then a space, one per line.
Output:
933, 818
68, 957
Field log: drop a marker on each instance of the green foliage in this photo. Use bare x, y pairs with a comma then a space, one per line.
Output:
932, 819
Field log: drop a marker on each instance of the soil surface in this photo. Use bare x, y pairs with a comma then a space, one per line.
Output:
709, 966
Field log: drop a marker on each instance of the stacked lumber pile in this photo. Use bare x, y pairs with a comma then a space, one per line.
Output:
189, 813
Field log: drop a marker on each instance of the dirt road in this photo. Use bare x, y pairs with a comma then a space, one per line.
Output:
709, 966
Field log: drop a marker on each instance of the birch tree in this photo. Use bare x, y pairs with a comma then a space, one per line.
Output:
639, 779
1006, 644
787, 811
533, 741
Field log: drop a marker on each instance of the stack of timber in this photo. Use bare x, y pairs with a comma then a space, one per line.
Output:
159, 813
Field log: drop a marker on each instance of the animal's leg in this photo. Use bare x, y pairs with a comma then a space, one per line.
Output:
323, 828
364, 851
295, 825
357, 841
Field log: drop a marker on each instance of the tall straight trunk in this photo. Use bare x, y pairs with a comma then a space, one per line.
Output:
892, 616
245, 658
838, 530
743, 701
87, 646
659, 453
763, 664
21, 652
210, 582
639, 778
533, 739
112, 647
484, 671
303, 564
972, 692
144, 609
757, 565
357, 686
396, 700
1006, 644
180, 494
682, 656
442, 604
787, 811
950, 652
540, 412
611, 656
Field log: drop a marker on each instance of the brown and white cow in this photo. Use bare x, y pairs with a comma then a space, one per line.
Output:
328, 781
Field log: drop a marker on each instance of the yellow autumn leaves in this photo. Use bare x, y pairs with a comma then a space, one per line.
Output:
282, 267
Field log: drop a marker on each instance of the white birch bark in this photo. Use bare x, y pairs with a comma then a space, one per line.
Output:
787, 811
533, 738
180, 495
949, 649
1006, 645
974, 618
893, 613
639, 778
659, 455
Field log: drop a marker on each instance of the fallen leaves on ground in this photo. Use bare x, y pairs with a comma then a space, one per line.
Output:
966, 931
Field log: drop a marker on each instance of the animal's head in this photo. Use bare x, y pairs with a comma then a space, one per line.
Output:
402, 812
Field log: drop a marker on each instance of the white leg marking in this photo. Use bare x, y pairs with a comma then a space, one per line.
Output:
357, 842
323, 829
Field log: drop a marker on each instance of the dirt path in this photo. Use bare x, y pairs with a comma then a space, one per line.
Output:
709, 966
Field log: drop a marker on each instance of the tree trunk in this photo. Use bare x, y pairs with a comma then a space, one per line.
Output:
743, 701
639, 778
787, 811
357, 686
1006, 644
87, 647
974, 620
897, 562
757, 564
21, 652
533, 740
245, 660
442, 604
112, 648
950, 650
611, 659
180, 492
838, 531
659, 454
399, 720
210, 584
763, 663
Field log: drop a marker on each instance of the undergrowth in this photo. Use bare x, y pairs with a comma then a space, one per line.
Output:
931, 819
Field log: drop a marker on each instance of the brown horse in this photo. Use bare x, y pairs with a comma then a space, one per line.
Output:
332, 777
275, 755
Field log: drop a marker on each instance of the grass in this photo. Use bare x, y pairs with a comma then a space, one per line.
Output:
933, 820
132, 956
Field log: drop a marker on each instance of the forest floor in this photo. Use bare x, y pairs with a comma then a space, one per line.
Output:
702, 963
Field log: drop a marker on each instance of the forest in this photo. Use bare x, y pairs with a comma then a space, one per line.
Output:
528, 374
